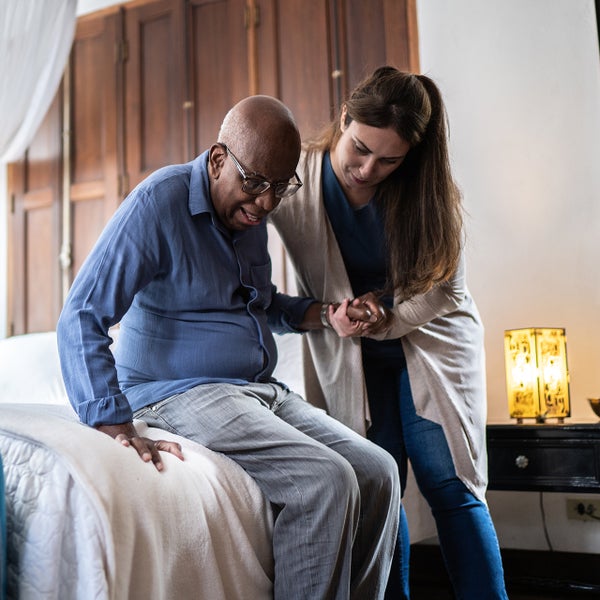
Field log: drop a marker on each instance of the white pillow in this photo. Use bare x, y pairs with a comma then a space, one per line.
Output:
30, 370
30, 367
289, 366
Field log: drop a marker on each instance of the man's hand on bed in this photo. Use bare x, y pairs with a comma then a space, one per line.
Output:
148, 449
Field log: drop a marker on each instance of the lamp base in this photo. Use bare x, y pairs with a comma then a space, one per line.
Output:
541, 419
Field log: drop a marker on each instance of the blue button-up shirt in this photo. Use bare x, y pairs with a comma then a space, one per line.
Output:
194, 301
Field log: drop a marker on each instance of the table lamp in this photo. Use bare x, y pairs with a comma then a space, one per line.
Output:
537, 377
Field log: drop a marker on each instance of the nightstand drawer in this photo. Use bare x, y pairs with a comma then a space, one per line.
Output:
526, 466
545, 458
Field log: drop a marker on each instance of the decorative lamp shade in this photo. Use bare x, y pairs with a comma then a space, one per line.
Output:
537, 377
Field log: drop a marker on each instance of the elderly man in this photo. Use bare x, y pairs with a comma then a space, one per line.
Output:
183, 266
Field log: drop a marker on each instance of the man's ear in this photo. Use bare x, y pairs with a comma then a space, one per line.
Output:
216, 160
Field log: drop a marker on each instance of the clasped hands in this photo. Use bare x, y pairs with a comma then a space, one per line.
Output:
362, 316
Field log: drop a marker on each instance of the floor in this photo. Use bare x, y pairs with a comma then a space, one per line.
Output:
529, 575
436, 592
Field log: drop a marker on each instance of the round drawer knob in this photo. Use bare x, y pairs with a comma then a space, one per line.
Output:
521, 461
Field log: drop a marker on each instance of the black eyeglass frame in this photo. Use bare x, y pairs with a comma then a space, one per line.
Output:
260, 185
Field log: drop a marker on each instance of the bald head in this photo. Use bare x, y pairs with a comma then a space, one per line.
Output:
258, 141
261, 127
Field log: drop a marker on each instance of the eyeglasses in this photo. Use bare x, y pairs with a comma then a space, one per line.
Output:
256, 185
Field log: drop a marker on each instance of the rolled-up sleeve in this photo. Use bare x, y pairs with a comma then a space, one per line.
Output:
286, 313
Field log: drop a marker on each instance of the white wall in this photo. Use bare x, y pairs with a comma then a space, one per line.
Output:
521, 80
88, 6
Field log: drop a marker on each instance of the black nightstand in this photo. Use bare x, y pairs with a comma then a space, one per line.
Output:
547, 458
544, 457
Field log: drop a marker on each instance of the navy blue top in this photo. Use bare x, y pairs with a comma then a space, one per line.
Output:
359, 234
361, 238
194, 300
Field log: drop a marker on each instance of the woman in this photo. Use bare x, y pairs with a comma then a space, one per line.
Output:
381, 222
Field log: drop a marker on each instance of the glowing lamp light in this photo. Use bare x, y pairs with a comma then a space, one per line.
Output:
537, 376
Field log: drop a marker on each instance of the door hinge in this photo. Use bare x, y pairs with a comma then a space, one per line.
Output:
13, 203
252, 15
122, 51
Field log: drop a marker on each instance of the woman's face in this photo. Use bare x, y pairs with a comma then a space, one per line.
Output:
364, 156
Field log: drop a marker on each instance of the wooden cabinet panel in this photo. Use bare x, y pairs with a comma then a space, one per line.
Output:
34, 230
87, 219
377, 33
218, 66
311, 53
93, 96
154, 87
95, 159
295, 58
305, 62
41, 267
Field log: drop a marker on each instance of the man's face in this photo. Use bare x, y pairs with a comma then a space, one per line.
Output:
237, 209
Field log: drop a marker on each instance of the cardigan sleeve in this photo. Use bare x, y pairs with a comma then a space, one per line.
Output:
442, 299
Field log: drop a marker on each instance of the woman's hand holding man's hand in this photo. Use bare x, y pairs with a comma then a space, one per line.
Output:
362, 316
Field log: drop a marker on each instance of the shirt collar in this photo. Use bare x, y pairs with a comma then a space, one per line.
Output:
199, 196
199, 200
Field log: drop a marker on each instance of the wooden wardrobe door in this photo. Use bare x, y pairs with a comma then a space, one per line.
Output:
34, 298
312, 52
93, 174
294, 64
154, 87
377, 33
218, 72
295, 58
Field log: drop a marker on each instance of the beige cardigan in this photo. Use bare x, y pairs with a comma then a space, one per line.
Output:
441, 331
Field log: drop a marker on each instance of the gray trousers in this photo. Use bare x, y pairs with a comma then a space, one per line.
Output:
336, 495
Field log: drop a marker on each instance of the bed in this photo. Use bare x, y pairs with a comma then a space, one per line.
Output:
87, 519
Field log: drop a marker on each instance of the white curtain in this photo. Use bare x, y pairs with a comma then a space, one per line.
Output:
35, 41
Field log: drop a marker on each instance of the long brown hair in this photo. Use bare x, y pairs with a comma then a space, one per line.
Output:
421, 202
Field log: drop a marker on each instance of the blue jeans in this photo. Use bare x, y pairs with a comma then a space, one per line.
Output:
465, 530
336, 495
